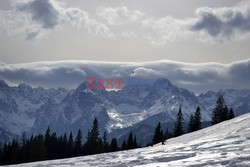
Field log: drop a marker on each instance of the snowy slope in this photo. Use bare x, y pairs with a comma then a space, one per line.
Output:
225, 144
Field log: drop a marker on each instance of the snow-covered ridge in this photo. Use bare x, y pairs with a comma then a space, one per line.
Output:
224, 144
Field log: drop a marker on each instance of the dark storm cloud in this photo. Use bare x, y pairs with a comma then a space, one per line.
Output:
43, 12
223, 23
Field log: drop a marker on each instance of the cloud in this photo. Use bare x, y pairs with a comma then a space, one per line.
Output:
129, 34
223, 23
34, 18
146, 73
69, 74
118, 15
165, 29
47, 13
209, 24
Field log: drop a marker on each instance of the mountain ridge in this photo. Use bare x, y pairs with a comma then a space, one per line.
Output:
34, 109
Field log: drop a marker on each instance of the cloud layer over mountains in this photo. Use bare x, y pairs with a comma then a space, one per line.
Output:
69, 74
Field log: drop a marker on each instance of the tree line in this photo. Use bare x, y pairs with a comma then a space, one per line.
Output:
220, 113
51, 146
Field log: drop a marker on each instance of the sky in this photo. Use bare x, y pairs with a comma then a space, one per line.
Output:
194, 31
201, 45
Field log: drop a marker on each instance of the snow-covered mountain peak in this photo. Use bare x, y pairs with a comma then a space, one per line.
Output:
162, 82
24, 87
3, 84
81, 87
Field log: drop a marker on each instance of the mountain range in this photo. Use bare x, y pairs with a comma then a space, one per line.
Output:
134, 108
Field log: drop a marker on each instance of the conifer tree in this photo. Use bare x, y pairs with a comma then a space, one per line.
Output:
70, 144
197, 119
231, 114
78, 143
23, 149
158, 134
191, 124
37, 149
95, 130
64, 145
105, 142
124, 145
130, 142
220, 112
94, 144
48, 143
224, 114
178, 130
135, 142
113, 145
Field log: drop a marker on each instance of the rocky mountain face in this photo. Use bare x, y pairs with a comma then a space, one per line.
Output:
134, 108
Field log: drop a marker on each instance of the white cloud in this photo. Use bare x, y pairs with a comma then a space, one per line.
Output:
69, 74
118, 15
166, 29
209, 24
36, 17
129, 34
146, 73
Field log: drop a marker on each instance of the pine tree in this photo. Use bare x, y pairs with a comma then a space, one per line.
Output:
224, 114
130, 142
178, 130
37, 149
220, 112
197, 119
94, 144
14, 151
231, 114
23, 149
95, 130
78, 143
135, 144
48, 143
64, 146
124, 145
105, 142
191, 124
158, 134
70, 145
113, 145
